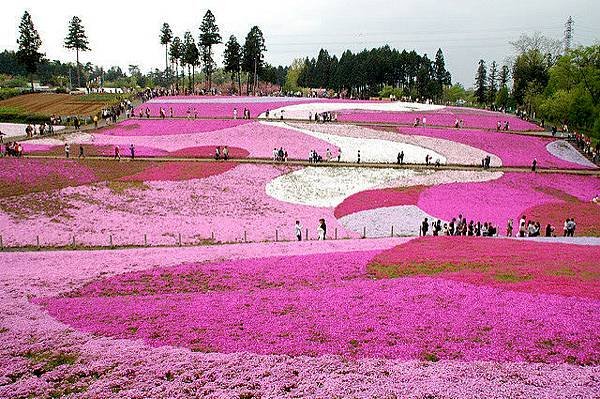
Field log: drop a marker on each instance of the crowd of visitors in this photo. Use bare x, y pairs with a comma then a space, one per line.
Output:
584, 143
280, 155
222, 153
13, 149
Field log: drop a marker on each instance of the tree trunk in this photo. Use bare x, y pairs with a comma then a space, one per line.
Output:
166, 57
239, 76
193, 78
78, 69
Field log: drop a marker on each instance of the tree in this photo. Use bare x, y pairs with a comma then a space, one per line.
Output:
166, 37
191, 57
77, 40
493, 82
209, 36
440, 74
29, 42
504, 76
293, 73
176, 54
233, 60
481, 83
253, 56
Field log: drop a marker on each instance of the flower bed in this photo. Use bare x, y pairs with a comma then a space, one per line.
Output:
168, 127
513, 149
534, 267
445, 117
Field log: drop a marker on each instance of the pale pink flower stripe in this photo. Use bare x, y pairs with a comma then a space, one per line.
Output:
505, 198
256, 138
513, 149
109, 368
444, 117
226, 205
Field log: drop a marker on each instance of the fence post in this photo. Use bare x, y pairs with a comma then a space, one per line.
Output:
365, 232
245, 237
37, 239
336, 233
420, 230
306, 234
276, 235
212, 235
179, 239
73, 242
392, 230
1, 244
145, 240
111, 241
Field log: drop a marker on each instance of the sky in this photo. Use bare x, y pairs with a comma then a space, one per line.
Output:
127, 32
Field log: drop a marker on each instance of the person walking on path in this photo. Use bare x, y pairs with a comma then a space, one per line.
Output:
81, 154
401, 158
117, 153
509, 228
358, 160
424, 227
67, 150
534, 165
322, 230
298, 230
132, 150
225, 153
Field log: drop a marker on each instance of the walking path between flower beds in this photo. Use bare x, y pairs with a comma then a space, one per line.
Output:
265, 161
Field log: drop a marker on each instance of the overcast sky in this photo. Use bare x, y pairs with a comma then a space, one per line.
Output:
126, 32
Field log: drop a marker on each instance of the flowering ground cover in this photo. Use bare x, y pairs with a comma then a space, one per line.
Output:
512, 149
473, 119
168, 127
565, 151
534, 267
18, 129
453, 152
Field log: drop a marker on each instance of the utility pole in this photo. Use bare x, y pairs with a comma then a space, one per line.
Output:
568, 39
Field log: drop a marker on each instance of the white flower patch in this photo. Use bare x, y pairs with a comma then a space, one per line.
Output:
302, 111
18, 129
455, 153
329, 186
565, 151
371, 150
72, 138
405, 220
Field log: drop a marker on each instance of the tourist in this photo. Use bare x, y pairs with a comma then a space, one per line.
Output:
132, 151
424, 227
358, 160
147, 113
509, 228
267, 113
81, 154
427, 158
571, 225
298, 230
117, 153
218, 153
95, 119
328, 155
163, 115
534, 165
400, 159
339, 154
550, 230
171, 112
67, 150
522, 226
322, 230
275, 152
225, 153
424, 121
235, 115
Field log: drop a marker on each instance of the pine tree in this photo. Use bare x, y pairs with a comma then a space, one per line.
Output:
481, 83
504, 76
441, 76
77, 40
253, 56
233, 60
29, 42
492, 83
166, 37
209, 36
190, 56
176, 54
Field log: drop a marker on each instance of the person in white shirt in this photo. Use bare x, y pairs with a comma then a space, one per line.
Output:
298, 230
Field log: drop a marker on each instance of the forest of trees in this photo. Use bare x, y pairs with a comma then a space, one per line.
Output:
368, 72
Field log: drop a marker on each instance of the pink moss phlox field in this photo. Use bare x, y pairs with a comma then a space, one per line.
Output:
506, 198
379, 198
42, 357
33, 171
256, 138
513, 149
445, 117
326, 304
168, 127
527, 266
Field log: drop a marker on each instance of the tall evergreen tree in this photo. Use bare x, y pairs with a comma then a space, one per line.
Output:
492, 83
77, 40
253, 56
441, 75
233, 60
481, 83
504, 76
166, 37
176, 54
29, 42
191, 57
209, 36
